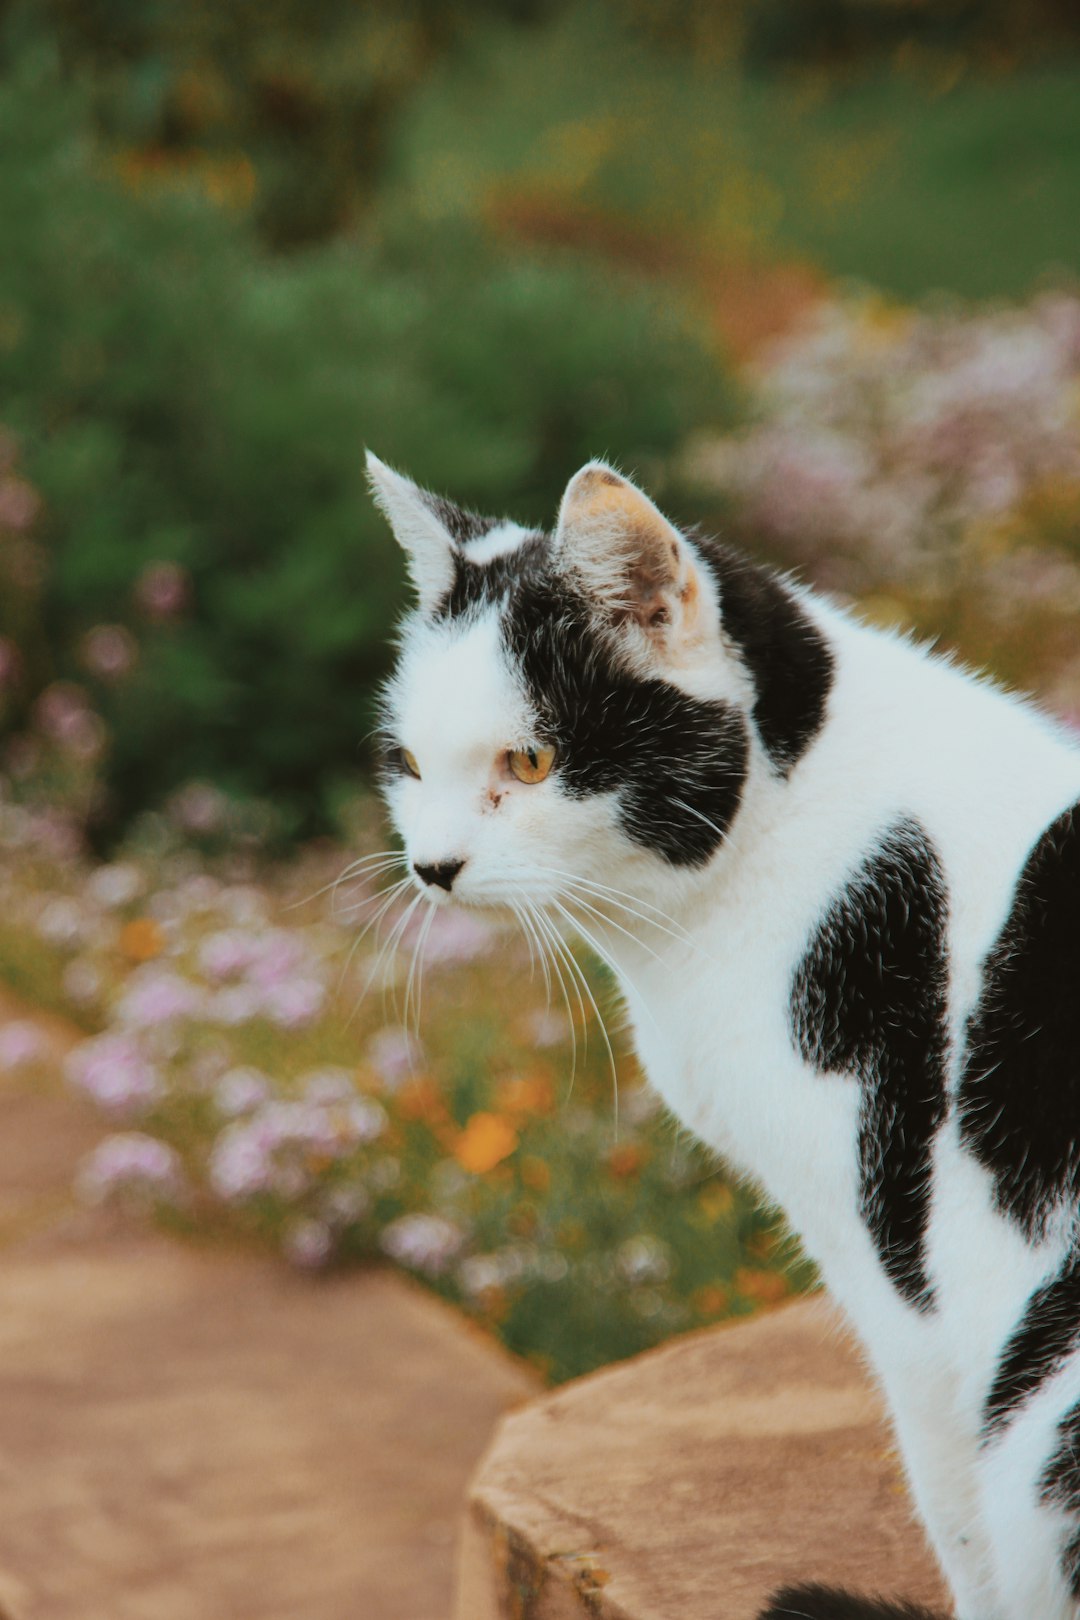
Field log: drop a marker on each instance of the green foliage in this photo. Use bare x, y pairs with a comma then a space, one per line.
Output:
184, 399
298, 95
929, 177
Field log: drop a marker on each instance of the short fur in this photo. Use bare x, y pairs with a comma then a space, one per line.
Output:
839, 881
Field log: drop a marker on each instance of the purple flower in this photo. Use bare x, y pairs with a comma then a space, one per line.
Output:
363, 1120
163, 590
296, 1004
241, 1163
235, 1004
61, 922
456, 936
241, 1091
115, 885
277, 958
308, 1244
155, 995
427, 1243
322, 1087
22, 1044
284, 1147
82, 981
131, 1163
110, 651
199, 808
115, 1073
393, 1054
228, 953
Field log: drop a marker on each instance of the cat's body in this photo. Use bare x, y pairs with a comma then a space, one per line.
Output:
819, 861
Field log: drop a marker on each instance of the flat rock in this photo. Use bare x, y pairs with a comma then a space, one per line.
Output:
691, 1482
199, 1433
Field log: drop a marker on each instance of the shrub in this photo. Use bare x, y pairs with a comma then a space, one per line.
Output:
194, 412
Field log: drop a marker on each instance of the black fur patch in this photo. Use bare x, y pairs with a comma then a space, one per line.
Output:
677, 764
478, 584
1060, 1487
869, 1000
786, 655
1019, 1098
459, 524
827, 1603
1042, 1340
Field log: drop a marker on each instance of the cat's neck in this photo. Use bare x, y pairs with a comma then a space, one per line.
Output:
908, 735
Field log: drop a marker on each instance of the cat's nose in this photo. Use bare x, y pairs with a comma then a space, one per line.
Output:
443, 874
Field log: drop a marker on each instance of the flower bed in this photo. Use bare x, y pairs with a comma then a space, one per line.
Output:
925, 464
254, 1056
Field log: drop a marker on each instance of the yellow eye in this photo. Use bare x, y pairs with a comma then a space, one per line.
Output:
530, 764
409, 762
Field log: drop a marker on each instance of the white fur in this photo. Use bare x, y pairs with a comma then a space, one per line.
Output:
708, 997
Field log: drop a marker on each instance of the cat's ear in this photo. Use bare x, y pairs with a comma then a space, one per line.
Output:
628, 558
414, 516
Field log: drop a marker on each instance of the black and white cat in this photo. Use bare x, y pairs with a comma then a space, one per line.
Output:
839, 881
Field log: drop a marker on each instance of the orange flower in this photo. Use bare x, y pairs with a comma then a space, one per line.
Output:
141, 939
767, 1287
486, 1140
527, 1094
711, 1300
536, 1174
421, 1099
626, 1160
716, 1200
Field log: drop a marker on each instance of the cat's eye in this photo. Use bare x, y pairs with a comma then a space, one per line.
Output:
408, 762
530, 764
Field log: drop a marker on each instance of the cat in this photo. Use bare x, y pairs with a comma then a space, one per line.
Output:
838, 878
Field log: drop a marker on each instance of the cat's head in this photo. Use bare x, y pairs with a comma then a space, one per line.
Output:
567, 707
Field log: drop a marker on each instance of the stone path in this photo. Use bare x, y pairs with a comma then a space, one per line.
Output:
198, 1434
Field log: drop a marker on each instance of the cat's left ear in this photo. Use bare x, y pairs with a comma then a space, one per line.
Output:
414, 516
628, 558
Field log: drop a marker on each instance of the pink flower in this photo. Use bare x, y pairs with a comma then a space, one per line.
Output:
241, 1091
308, 1244
110, 651
295, 1004
22, 1044
163, 590
276, 958
456, 936
199, 808
115, 885
281, 1147
114, 1072
20, 503
393, 1054
156, 995
131, 1164
426, 1243
235, 1004
228, 953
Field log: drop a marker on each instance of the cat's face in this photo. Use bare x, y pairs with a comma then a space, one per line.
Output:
565, 710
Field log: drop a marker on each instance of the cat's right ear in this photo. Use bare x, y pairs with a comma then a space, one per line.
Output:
413, 515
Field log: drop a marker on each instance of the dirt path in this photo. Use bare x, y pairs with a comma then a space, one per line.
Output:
197, 1434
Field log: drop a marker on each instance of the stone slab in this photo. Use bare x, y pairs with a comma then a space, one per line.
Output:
691, 1482
198, 1433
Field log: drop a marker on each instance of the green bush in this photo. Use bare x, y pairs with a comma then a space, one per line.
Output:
182, 399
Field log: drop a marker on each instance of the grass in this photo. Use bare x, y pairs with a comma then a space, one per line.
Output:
920, 179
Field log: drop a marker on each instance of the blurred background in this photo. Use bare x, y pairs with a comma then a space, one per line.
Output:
807, 267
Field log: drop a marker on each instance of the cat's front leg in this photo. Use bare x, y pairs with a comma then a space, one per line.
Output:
941, 1457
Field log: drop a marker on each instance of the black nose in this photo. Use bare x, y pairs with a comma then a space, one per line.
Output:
443, 874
